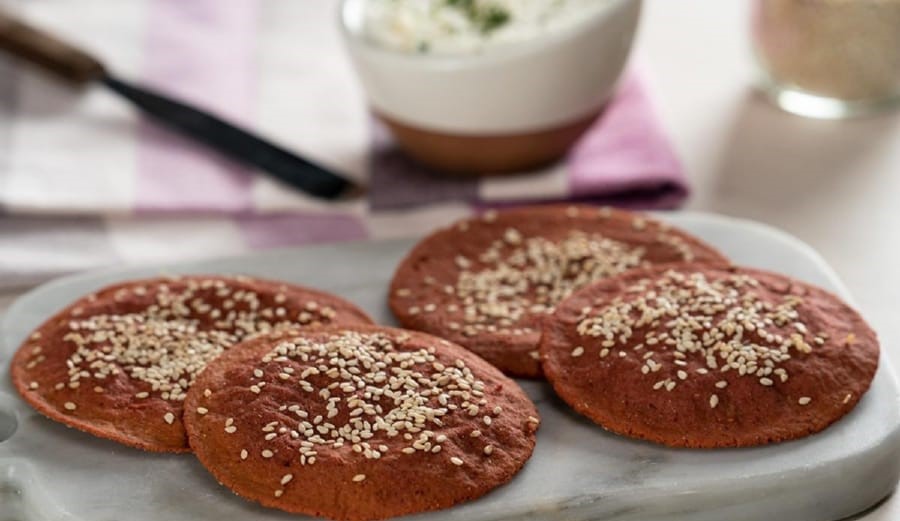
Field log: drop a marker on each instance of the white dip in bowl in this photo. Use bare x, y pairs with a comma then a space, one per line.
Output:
468, 26
488, 85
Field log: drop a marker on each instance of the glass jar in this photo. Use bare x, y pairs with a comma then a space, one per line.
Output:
829, 58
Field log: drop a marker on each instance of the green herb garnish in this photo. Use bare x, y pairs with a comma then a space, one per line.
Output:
487, 18
494, 19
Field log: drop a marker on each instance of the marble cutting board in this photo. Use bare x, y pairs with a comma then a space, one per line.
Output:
578, 472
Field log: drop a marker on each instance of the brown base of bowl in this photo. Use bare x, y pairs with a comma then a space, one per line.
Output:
487, 155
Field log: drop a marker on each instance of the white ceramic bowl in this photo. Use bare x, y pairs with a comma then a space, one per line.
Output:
526, 88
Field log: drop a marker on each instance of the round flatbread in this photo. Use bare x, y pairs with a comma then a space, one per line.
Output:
694, 356
118, 363
358, 423
487, 283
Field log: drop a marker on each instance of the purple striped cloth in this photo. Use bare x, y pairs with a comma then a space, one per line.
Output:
87, 164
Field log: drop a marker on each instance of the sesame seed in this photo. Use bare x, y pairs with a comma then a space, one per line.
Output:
286, 479
578, 351
33, 385
804, 400
682, 375
69, 406
487, 420
142, 395
766, 381
244, 454
847, 397
231, 429
359, 477
279, 492
456, 461
488, 450
721, 384
713, 401
202, 410
169, 418
266, 453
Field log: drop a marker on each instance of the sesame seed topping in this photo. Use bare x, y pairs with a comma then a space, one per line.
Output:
286, 479
456, 461
847, 397
578, 351
804, 400
279, 493
713, 401
244, 454
170, 341
359, 477
33, 385
202, 410
722, 322
488, 450
69, 406
169, 418
517, 277
371, 388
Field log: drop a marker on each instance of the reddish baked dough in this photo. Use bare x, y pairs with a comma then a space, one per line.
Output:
833, 356
425, 292
115, 406
252, 438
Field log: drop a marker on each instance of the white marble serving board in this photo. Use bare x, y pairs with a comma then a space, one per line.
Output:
578, 472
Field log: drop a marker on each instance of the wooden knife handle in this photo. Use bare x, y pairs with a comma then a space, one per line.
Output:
48, 52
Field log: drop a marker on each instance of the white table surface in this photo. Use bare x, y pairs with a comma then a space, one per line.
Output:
835, 185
